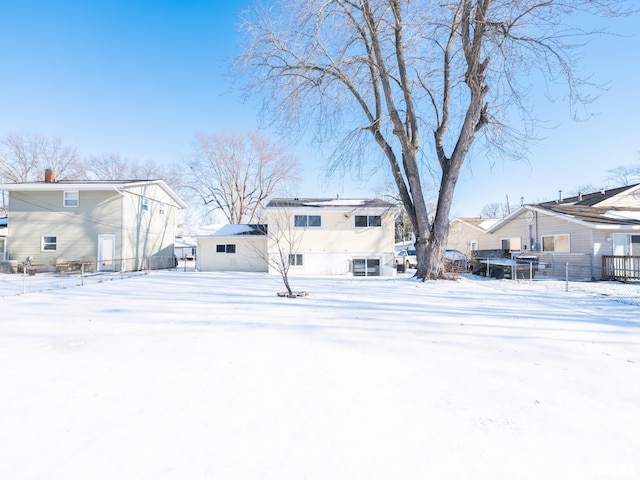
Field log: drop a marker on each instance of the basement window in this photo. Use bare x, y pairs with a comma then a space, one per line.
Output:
296, 260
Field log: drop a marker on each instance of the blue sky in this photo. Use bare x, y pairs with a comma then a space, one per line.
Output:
141, 78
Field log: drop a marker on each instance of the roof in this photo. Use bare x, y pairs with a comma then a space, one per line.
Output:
232, 230
596, 215
584, 208
90, 185
590, 199
184, 242
480, 223
337, 203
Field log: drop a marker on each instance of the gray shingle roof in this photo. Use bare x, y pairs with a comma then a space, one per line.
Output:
590, 199
329, 203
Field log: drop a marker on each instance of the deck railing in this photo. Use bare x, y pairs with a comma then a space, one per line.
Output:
620, 267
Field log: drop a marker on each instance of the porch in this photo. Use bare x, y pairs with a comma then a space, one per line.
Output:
620, 267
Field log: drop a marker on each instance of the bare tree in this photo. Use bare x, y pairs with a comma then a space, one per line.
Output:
235, 173
624, 175
389, 69
113, 166
25, 157
284, 243
495, 210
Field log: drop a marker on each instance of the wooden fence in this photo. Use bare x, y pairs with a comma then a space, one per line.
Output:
618, 267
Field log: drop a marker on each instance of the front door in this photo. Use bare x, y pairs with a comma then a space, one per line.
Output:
106, 252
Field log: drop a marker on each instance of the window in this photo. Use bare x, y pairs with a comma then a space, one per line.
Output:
368, 221
635, 245
511, 244
307, 221
226, 248
366, 267
71, 199
162, 209
145, 203
295, 260
49, 244
555, 243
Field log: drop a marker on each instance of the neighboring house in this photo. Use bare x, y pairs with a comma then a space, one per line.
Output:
313, 236
3, 236
111, 225
185, 248
586, 231
235, 248
468, 234
333, 236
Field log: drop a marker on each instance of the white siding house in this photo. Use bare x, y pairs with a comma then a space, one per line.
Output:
334, 236
310, 236
236, 248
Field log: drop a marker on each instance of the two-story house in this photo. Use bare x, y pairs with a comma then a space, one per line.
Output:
110, 225
314, 236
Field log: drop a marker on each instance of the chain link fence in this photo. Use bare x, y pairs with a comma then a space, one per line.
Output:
21, 278
579, 272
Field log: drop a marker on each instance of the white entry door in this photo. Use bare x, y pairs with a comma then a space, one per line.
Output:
106, 252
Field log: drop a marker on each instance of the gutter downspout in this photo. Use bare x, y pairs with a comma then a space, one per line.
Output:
118, 189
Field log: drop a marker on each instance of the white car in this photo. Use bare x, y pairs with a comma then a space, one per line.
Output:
407, 258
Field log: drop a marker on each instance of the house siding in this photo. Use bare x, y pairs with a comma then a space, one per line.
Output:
250, 256
113, 209
76, 228
587, 244
462, 234
331, 248
147, 232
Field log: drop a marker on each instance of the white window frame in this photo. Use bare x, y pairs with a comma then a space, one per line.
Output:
44, 243
162, 208
71, 198
369, 222
230, 248
296, 260
145, 203
568, 250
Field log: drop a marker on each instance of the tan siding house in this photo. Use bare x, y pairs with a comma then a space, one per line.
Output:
111, 225
577, 231
468, 234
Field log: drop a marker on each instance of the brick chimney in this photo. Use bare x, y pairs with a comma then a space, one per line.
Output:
49, 176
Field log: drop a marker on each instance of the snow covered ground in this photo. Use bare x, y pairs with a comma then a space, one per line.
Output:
185, 375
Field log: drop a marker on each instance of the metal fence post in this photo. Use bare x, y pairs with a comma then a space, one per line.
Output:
566, 274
